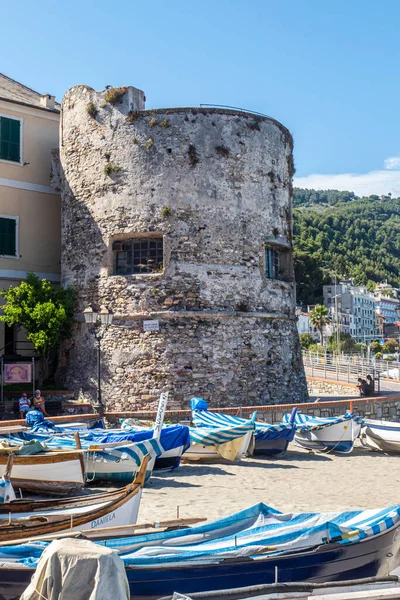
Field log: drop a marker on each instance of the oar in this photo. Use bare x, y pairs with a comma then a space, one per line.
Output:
109, 532
9, 466
77, 440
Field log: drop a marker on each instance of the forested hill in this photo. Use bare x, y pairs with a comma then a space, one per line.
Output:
357, 237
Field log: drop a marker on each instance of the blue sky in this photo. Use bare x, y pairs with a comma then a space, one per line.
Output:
329, 71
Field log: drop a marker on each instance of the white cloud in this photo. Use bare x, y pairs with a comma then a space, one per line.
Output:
362, 184
392, 163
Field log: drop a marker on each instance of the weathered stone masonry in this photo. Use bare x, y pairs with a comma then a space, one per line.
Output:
214, 186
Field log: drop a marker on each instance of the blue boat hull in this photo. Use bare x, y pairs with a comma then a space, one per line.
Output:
372, 557
275, 448
375, 556
339, 447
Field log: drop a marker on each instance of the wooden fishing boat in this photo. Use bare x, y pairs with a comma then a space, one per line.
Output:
47, 472
117, 509
381, 435
207, 452
330, 434
269, 439
235, 552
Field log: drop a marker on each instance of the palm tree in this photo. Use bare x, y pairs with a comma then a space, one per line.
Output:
319, 317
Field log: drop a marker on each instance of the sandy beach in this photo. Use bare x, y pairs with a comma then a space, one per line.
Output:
297, 482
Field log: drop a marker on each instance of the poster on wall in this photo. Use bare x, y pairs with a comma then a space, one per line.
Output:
18, 373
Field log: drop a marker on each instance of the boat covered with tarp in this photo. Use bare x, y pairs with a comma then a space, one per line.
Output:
101, 462
255, 546
225, 442
270, 439
326, 434
174, 439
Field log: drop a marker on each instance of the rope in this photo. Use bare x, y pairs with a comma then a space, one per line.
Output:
41, 595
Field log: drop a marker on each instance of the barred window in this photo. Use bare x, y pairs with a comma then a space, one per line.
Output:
271, 263
144, 255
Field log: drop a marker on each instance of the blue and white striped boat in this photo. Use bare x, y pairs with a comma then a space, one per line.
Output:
229, 442
328, 434
270, 440
254, 547
102, 462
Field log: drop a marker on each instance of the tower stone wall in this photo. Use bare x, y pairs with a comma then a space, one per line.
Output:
211, 188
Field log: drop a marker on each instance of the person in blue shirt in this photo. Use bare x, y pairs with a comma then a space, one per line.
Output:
34, 417
24, 405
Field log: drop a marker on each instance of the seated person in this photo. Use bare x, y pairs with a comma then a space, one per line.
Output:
24, 405
362, 386
39, 403
370, 386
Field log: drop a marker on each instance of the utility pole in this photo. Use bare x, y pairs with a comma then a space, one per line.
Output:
337, 316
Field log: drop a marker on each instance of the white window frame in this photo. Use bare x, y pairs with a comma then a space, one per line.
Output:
16, 219
21, 139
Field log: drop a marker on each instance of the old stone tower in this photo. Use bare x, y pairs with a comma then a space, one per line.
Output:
181, 216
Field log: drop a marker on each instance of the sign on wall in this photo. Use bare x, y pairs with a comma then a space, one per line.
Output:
151, 325
18, 373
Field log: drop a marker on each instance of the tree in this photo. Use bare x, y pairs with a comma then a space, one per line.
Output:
306, 340
390, 346
346, 343
44, 311
375, 347
319, 317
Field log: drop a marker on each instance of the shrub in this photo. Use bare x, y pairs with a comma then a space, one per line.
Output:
378, 355
152, 122
149, 143
193, 158
91, 110
223, 151
166, 211
110, 168
132, 116
114, 95
306, 340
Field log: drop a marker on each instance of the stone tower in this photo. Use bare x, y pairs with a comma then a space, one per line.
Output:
182, 217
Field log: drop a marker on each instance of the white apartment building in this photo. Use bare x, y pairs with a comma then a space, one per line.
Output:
356, 309
387, 303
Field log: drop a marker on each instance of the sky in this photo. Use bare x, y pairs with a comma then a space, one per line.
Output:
329, 70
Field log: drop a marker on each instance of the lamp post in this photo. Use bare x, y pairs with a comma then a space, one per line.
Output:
98, 323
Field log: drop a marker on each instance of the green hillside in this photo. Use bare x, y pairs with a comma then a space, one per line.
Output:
357, 237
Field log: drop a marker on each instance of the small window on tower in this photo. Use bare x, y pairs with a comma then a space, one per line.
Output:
143, 255
271, 262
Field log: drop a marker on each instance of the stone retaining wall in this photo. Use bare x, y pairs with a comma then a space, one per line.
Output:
318, 386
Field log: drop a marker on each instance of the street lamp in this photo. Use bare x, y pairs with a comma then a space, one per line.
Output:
98, 323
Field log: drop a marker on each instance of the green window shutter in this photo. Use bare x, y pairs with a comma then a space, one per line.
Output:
10, 139
8, 237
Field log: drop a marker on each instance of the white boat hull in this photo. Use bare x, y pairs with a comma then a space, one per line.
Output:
48, 472
124, 515
338, 437
98, 468
201, 453
381, 435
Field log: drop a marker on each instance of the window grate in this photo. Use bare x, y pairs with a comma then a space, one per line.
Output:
271, 263
139, 256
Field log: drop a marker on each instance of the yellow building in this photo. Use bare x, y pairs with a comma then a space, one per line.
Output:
30, 236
